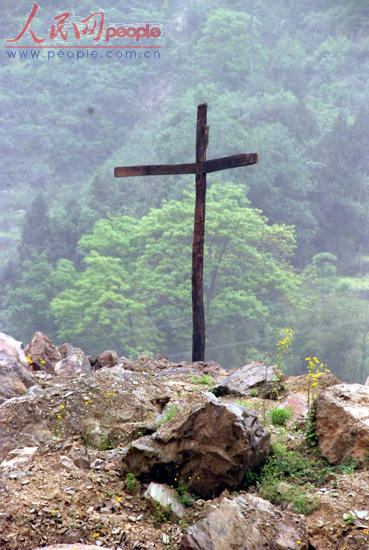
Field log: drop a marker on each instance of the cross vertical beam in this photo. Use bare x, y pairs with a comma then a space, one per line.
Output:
198, 316
201, 167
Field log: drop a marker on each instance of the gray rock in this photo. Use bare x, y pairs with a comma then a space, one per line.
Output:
166, 498
12, 349
342, 422
246, 523
96, 409
73, 362
208, 445
253, 376
15, 376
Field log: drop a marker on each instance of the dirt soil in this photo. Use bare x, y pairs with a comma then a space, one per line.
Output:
48, 499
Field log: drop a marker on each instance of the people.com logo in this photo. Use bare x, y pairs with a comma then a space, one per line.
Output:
67, 27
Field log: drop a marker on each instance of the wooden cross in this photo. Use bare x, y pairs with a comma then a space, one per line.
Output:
201, 167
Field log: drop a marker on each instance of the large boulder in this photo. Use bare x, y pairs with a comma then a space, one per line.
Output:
12, 349
15, 377
100, 409
208, 445
342, 422
73, 362
255, 376
246, 523
42, 353
162, 367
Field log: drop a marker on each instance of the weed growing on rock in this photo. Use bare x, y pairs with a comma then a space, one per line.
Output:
105, 443
349, 518
254, 392
183, 495
205, 380
279, 417
169, 414
130, 482
161, 516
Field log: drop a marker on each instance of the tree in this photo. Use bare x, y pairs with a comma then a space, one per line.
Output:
136, 287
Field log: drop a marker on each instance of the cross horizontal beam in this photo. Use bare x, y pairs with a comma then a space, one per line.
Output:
214, 165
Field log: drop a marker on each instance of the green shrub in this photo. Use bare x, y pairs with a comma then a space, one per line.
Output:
249, 478
279, 417
169, 414
183, 495
130, 482
254, 392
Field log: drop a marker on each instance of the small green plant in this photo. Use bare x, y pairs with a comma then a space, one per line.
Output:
105, 443
311, 437
205, 380
249, 478
161, 515
183, 495
349, 518
169, 414
348, 467
254, 392
279, 417
130, 482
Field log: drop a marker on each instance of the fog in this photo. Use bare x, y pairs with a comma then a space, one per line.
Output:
104, 262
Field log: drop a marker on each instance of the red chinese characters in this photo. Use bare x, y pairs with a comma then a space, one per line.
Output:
26, 27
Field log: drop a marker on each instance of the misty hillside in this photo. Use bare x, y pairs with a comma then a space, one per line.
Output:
105, 263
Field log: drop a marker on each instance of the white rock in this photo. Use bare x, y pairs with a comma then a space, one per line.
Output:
167, 498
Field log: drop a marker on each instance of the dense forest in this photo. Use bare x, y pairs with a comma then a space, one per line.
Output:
106, 263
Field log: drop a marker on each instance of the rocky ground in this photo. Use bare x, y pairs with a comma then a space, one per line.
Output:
68, 442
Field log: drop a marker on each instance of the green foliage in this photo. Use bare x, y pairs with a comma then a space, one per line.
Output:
183, 495
161, 515
349, 518
348, 467
130, 482
250, 477
288, 476
149, 291
205, 380
105, 443
311, 437
254, 392
279, 417
169, 413
287, 88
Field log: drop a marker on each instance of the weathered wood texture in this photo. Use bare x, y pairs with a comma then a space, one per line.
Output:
234, 161
198, 316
